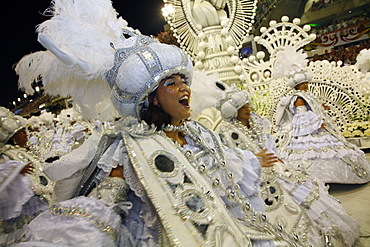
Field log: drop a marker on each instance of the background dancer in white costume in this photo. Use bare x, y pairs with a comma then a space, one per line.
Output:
21, 180
308, 138
292, 198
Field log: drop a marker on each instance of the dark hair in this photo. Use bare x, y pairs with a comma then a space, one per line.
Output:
11, 141
153, 114
297, 86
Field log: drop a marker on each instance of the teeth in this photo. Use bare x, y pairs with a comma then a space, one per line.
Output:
184, 97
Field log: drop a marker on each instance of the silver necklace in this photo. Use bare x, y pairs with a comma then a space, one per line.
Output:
173, 128
255, 132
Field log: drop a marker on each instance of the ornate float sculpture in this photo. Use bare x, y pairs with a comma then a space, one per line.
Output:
212, 32
344, 88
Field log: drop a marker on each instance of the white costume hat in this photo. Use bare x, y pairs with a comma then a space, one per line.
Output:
47, 118
9, 124
138, 69
234, 100
292, 64
208, 91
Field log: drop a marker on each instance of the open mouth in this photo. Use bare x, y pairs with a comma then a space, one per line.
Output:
184, 100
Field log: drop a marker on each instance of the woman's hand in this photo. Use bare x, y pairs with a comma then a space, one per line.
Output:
323, 126
268, 159
27, 169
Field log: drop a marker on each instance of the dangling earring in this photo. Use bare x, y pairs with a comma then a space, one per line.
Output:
156, 103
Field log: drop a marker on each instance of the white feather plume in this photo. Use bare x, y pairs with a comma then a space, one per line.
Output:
34, 122
47, 118
78, 39
363, 60
286, 59
292, 64
204, 92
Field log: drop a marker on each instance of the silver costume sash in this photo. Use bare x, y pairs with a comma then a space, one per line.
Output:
185, 194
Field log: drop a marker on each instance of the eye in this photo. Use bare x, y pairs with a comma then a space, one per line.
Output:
169, 82
183, 80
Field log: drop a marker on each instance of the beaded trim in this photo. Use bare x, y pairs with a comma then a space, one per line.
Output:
81, 213
270, 179
209, 147
176, 198
253, 219
255, 132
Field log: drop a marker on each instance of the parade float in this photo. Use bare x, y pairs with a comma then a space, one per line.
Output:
213, 32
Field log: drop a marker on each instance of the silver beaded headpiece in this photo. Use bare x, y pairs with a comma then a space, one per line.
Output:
138, 69
234, 99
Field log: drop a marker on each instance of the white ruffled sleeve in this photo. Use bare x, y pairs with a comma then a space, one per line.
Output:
270, 144
74, 161
15, 189
66, 171
247, 168
116, 154
305, 122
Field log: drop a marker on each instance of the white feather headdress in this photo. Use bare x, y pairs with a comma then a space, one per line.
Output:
108, 68
204, 92
292, 64
78, 39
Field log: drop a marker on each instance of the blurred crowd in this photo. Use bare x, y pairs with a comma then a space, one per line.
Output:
337, 25
320, 4
346, 54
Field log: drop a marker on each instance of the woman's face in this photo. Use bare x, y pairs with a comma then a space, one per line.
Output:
303, 86
244, 113
20, 137
173, 96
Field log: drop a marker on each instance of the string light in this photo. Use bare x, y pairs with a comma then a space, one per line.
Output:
168, 10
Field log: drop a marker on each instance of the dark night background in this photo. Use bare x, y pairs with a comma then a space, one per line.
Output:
18, 25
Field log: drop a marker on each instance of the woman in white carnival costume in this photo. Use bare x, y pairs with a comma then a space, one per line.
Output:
41, 130
22, 184
308, 138
293, 199
167, 182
